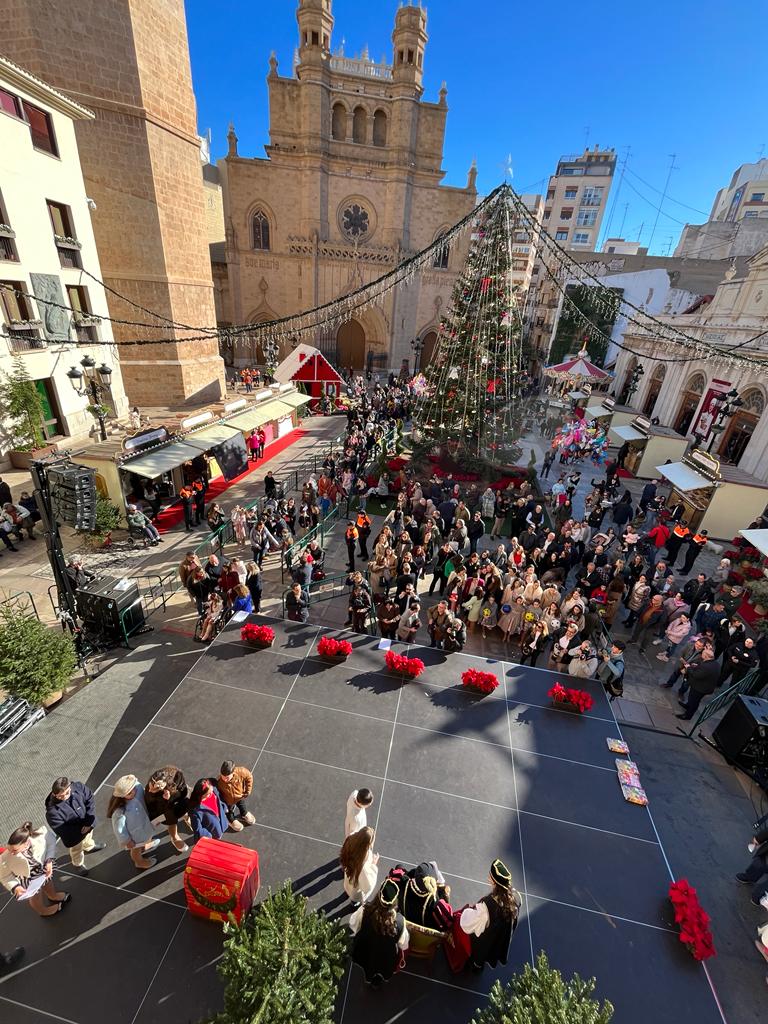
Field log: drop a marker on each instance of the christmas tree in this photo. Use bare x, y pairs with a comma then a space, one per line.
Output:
540, 996
282, 964
470, 402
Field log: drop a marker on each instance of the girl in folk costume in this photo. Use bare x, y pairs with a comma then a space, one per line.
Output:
516, 553
550, 596
511, 620
482, 933
472, 608
237, 516
380, 936
533, 591
551, 617
489, 614
360, 865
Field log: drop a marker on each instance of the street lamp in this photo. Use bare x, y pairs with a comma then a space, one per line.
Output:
90, 382
417, 345
634, 382
727, 404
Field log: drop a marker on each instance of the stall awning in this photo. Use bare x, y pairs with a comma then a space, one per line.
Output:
628, 433
295, 400
209, 437
593, 411
757, 538
259, 414
161, 461
683, 478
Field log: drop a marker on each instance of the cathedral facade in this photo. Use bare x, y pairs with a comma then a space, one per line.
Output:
349, 187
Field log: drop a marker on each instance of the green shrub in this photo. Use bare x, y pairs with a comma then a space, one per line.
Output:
35, 661
23, 407
540, 996
282, 964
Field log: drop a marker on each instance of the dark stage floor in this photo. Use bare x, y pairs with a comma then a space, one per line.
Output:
457, 778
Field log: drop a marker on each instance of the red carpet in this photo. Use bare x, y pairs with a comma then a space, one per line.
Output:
173, 515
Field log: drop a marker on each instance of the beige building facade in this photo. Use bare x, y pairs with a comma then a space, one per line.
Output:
738, 221
128, 61
349, 187
577, 197
48, 310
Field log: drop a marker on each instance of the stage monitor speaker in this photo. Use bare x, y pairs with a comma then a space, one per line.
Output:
743, 731
102, 602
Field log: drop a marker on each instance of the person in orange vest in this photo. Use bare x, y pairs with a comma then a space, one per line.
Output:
351, 537
676, 540
248, 381
187, 496
364, 532
696, 544
199, 486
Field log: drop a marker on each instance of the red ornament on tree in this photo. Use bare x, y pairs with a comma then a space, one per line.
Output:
485, 284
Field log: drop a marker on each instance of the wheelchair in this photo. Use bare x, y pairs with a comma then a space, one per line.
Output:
219, 623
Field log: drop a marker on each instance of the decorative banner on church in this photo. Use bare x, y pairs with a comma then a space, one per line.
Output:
708, 409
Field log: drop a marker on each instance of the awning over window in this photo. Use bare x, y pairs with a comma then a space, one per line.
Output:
628, 433
209, 437
683, 478
295, 399
161, 461
259, 414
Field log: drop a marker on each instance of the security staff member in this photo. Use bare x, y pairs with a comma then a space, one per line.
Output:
696, 544
187, 496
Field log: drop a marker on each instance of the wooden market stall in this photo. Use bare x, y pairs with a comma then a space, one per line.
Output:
308, 367
649, 444
718, 498
601, 411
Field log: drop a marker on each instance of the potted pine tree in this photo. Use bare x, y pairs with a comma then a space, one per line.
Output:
36, 662
282, 964
540, 995
24, 410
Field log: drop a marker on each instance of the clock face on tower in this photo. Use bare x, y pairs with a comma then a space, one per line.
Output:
357, 219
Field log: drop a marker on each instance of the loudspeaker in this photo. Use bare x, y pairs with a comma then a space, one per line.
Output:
73, 495
101, 603
742, 735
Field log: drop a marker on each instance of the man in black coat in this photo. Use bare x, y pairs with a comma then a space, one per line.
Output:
439, 576
702, 680
70, 812
696, 591
475, 530
739, 658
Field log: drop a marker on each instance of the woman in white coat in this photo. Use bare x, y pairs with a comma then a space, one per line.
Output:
360, 865
25, 862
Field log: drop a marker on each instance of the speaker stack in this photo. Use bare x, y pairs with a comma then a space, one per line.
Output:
102, 602
73, 495
742, 735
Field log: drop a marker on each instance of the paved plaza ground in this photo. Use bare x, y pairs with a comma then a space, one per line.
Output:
457, 778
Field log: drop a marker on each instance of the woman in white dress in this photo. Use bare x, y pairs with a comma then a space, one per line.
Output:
239, 524
360, 865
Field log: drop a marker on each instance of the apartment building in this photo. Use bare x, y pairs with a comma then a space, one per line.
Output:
577, 197
738, 221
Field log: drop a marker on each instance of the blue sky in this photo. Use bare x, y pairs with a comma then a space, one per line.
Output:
534, 82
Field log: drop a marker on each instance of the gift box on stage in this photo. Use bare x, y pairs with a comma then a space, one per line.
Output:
221, 880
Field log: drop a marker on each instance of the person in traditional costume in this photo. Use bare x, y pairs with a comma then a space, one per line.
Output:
423, 896
360, 865
482, 932
380, 936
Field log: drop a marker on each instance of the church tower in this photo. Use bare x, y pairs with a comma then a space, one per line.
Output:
410, 41
128, 60
315, 27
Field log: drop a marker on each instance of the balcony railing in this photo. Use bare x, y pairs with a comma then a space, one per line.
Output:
25, 339
361, 67
85, 333
7, 249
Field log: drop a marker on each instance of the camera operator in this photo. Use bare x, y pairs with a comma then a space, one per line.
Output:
611, 669
583, 665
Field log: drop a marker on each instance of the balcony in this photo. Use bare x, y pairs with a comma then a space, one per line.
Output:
24, 336
85, 329
361, 67
7, 245
68, 249
591, 201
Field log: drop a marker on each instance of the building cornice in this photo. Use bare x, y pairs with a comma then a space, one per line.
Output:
19, 78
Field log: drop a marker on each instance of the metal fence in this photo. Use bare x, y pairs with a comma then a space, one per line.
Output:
18, 600
752, 683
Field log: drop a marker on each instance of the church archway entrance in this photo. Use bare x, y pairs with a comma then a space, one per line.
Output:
429, 346
350, 345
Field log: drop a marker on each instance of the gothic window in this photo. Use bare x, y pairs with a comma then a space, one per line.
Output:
339, 122
359, 124
260, 230
753, 402
440, 259
379, 128
355, 221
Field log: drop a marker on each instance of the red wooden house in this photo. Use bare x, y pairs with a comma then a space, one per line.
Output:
308, 366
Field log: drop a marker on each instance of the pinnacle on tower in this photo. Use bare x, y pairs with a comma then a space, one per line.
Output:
315, 27
409, 40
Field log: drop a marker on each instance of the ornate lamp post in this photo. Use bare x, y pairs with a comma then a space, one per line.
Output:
634, 382
417, 345
92, 383
727, 404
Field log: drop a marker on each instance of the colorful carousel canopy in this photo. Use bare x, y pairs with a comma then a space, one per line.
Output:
579, 368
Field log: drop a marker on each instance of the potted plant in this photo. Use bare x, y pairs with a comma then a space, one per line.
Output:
36, 662
540, 995
758, 590
400, 665
334, 650
570, 699
480, 682
259, 636
695, 933
24, 411
282, 964
108, 518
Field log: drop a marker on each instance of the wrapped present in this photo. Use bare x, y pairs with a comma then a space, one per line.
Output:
221, 880
617, 746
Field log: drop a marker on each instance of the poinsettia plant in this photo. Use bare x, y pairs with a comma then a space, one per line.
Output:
483, 682
579, 699
411, 667
254, 634
693, 921
329, 647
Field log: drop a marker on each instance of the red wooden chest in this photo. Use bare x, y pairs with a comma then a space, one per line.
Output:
221, 880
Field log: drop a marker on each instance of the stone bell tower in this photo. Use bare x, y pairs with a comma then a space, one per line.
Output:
315, 27
128, 61
410, 41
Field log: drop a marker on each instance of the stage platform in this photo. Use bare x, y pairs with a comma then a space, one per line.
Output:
457, 778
